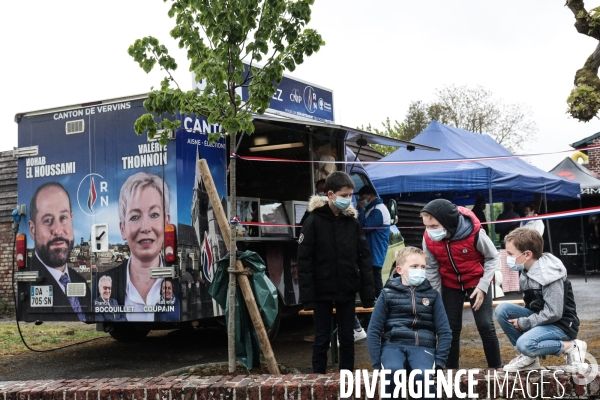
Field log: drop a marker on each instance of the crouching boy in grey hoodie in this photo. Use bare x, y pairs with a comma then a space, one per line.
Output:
548, 323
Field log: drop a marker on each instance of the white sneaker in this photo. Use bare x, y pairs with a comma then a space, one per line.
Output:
523, 363
575, 358
359, 334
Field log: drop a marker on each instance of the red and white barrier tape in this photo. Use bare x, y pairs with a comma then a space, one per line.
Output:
555, 215
455, 160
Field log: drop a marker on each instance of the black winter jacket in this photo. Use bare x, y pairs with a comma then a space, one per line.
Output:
334, 261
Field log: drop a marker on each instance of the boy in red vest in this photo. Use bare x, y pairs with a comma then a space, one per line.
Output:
461, 261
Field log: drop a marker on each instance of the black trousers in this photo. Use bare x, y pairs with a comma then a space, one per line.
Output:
345, 320
484, 319
378, 281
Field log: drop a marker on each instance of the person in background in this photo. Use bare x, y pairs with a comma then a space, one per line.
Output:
334, 263
536, 224
326, 163
505, 228
548, 324
374, 217
479, 211
409, 327
461, 262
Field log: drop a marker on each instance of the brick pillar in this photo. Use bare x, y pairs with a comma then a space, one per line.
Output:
594, 158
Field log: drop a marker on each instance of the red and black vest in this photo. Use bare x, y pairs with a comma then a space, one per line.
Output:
461, 265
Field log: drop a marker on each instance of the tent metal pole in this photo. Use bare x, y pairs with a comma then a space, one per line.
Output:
492, 233
584, 244
492, 216
547, 221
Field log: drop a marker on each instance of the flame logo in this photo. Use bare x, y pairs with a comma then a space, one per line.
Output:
92, 196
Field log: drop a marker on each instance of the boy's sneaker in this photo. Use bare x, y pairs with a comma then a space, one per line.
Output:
575, 358
359, 334
523, 363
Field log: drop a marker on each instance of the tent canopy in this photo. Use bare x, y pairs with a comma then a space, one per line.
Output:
509, 179
572, 171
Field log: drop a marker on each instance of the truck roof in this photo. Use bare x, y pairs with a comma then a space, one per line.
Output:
353, 135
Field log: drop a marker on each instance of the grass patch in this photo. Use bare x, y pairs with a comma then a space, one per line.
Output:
42, 337
472, 355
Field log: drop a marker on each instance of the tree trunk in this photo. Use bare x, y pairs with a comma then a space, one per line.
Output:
232, 254
243, 279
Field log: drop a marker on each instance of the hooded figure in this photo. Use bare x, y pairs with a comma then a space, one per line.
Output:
461, 262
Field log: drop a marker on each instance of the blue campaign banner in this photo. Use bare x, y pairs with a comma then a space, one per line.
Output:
297, 99
98, 197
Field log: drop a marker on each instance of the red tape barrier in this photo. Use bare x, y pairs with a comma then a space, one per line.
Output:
455, 160
580, 212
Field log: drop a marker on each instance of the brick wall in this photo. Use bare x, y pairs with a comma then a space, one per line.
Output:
8, 201
263, 387
594, 157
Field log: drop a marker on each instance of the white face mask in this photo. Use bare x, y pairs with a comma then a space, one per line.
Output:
436, 234
416, 276
512, 263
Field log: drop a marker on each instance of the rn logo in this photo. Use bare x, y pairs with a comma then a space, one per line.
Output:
310, 99
295, 96
91, 189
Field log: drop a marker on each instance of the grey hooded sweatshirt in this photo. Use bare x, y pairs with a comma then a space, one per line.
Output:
548, 293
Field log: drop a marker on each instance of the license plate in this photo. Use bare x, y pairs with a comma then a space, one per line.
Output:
41, 296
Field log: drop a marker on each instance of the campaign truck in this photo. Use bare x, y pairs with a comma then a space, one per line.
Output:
119, 231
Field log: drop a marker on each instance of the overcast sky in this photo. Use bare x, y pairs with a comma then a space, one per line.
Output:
380, 56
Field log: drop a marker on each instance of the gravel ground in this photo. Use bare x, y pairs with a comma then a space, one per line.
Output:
164, 351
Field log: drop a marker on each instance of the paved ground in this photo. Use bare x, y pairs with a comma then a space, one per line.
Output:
169, 350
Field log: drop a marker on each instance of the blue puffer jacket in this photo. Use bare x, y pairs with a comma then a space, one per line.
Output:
410, 316
375, 218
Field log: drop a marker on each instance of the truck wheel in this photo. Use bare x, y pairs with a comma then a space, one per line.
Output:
124, 333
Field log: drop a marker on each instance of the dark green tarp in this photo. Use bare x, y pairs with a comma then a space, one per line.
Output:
247, 347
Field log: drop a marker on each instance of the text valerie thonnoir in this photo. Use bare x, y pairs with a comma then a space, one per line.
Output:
448, 382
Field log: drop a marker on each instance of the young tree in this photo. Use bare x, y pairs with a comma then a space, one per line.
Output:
584, 99
220, 35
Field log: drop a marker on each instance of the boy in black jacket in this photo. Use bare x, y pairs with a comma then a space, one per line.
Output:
334, 263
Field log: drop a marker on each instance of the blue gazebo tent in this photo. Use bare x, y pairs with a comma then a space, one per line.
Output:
504, 179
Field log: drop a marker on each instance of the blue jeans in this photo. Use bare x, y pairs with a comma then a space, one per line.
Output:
395, 357
539, 341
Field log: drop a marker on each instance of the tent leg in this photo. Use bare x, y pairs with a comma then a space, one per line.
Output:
492, 230
584, 244
548, 223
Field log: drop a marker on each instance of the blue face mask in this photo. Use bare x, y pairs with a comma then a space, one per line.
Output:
512, 263
416, 276
365, 203
436, 234
341, 203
